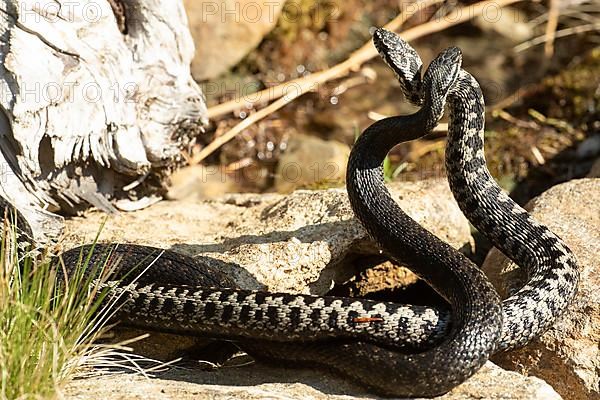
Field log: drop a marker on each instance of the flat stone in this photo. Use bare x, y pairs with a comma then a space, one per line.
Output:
302, 242
299, 242
264, 382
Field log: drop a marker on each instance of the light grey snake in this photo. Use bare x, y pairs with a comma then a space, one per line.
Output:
394, 349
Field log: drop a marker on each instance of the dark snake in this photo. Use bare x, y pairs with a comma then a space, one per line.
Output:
394, 349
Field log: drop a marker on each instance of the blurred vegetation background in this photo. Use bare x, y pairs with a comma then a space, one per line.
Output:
537, 61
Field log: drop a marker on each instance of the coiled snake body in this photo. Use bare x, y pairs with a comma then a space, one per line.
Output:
401, 350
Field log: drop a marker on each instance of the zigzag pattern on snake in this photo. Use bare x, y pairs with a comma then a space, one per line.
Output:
405, 350
551, 268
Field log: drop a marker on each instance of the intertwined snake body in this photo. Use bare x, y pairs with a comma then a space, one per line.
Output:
551, 268
395, 349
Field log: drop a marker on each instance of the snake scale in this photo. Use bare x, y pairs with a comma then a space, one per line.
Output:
394, 349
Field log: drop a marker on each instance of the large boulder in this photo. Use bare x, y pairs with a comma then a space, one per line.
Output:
302, 242
568, 355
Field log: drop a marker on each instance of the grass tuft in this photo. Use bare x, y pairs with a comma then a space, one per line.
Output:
47, 329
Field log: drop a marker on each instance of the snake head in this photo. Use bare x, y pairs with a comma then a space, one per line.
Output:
403, 60
443, 72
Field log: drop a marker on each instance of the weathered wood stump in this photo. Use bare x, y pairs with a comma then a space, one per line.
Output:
97, 104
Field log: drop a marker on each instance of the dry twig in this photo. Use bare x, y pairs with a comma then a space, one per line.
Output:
551, 28
559, 34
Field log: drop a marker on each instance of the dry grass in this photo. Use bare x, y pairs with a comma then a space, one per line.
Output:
48, 326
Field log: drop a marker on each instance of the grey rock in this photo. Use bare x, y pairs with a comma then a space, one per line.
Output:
197, 182
311, 160
590, 147
295, 243
510, 23
493, 382
568, 355
225, 31
302, 242
263, 382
